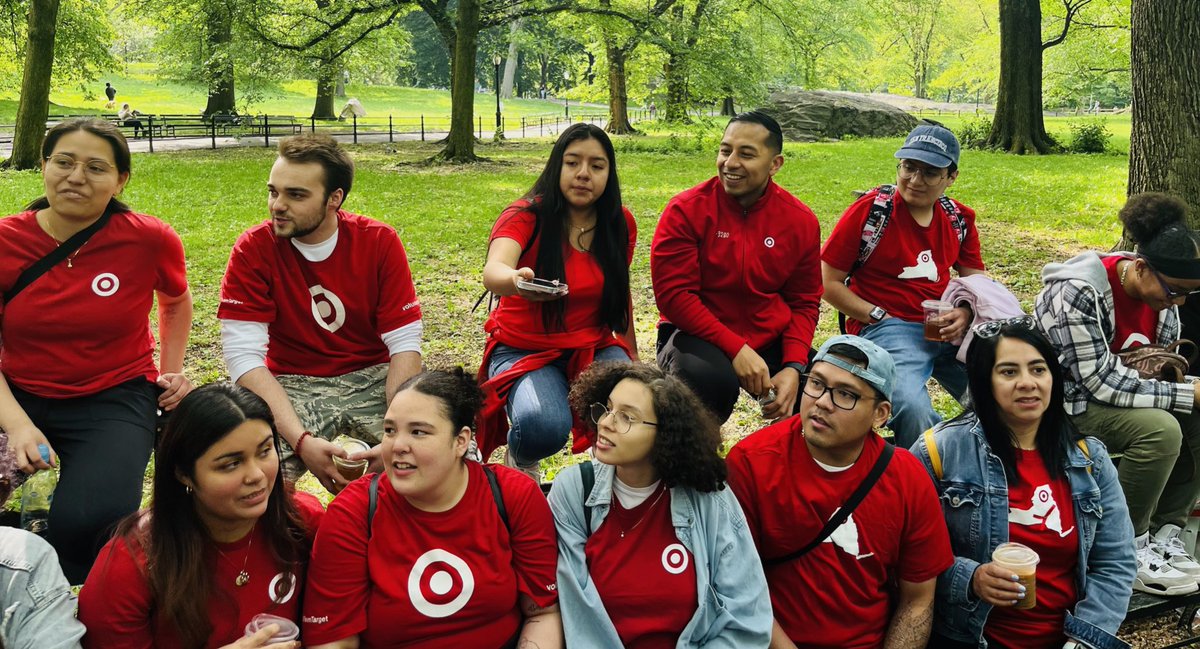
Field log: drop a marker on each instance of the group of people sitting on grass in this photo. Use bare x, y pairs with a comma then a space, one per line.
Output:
815, 531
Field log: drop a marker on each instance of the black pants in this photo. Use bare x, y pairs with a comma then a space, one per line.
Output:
103, 442
707, 370
941, 642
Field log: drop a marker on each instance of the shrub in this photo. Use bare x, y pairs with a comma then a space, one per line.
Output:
1088, 136
973, 134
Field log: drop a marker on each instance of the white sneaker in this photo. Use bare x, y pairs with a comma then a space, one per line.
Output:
1156, 576
1169, 546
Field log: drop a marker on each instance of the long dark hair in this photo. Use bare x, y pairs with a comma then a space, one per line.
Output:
102, 129
610, 243
179, 550
687, 439
1055, 433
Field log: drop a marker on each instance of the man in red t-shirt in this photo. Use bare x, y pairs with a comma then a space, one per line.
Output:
318, 312
734, 264
924, 236
871, 581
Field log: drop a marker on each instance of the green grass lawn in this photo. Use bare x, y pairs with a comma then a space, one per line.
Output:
1032, 210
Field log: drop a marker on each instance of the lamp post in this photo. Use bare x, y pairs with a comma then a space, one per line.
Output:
499, 134
566, 105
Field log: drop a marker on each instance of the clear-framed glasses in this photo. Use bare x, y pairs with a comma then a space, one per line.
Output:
622, 421
991, 328
815, 388
910, 171
64, 164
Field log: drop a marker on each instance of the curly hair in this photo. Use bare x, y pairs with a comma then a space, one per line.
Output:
687, 438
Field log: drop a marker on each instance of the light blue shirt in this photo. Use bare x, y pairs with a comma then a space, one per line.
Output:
36, 600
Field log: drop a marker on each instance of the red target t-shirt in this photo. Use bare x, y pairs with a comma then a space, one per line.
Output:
645, 576
84, 326
435, 580
841, 593
117, 605
325, 318
1041, 515
1136, 323
911, 263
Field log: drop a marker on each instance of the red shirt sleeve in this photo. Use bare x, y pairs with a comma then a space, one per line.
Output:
532, 537
335, 599
841, 249
172, 268
675, 274
925, 545
969, 255
115, 603
398, 303
516, 222
802, 293
245, 289
631, 225
741, 481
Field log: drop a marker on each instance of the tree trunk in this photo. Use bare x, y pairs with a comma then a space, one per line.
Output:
219, 66
511, 63
1018, 126
327, 80
1164, 146
618, 95
340, 89
677, 103
35, 85
460, 144
727, 107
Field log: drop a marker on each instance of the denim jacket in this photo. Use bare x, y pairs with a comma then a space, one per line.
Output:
734, 610
36, 601
974, 495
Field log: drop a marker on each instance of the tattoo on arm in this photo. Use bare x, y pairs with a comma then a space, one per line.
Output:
910, 627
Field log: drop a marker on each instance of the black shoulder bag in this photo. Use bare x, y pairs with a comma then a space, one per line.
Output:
856, 498
55, 257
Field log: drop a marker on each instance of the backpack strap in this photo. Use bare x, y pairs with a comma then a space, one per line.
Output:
498, 496
372, 501
843, 513
935, 458
956, 218
873, 227
56, 256
1082, 443
587, 474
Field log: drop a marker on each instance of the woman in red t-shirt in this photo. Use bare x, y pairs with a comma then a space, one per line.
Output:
1012, 469
655, 553
76, 352
438, 551
222, 542
571, 230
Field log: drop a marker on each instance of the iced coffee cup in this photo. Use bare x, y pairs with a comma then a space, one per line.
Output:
1023, 561
935, 312
351, 469
287, 632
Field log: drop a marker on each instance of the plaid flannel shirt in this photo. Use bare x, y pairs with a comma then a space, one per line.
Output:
1078, 320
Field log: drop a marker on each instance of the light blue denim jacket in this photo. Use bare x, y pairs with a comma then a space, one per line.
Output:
974, 496
36, 600
734, 610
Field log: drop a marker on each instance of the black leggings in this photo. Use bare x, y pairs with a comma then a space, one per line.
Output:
103, 442
706, 369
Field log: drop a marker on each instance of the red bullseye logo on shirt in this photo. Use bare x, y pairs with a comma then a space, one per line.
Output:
440, 584
282, 588
675, 558
105, 284
327, 308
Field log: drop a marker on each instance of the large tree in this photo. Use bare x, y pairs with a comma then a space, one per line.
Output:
1164, 147
35, 85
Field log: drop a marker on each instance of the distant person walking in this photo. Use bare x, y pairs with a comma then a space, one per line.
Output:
111, 93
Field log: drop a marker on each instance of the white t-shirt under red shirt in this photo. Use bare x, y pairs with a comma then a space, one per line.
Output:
839, 594
644, 575
118, 608
325, 318
84, 326
1041, 515
911, 263
434, 580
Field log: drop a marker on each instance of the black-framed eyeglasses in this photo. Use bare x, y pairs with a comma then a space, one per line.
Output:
992, 327
815, 388
622, 421
909, 171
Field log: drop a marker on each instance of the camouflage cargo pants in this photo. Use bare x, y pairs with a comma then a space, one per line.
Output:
352, 404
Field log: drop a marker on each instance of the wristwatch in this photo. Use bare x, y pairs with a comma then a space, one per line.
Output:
877, 314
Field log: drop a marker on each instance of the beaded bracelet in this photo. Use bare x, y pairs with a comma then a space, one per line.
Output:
300, 442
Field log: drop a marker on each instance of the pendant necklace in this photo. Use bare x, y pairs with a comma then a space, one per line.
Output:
647, 513
579, 236
71, 257
243, 577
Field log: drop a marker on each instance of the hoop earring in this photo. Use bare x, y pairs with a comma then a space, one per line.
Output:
188, 489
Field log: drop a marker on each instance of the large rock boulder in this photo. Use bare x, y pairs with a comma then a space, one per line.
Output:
809, 115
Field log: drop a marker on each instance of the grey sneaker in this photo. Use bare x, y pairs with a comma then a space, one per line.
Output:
1169, 546
1156, 576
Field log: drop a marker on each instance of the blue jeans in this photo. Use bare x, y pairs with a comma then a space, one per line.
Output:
916, 360
538, 413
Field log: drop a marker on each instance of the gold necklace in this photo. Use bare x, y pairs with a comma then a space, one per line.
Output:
70, 258
646, 513
1125, 271
243, 577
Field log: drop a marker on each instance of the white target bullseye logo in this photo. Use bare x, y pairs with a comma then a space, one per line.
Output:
327, 308
675, 558
282, 588
440, 573
105, 284
769, 242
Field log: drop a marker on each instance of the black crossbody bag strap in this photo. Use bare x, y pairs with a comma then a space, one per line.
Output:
55, 257
881, 464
